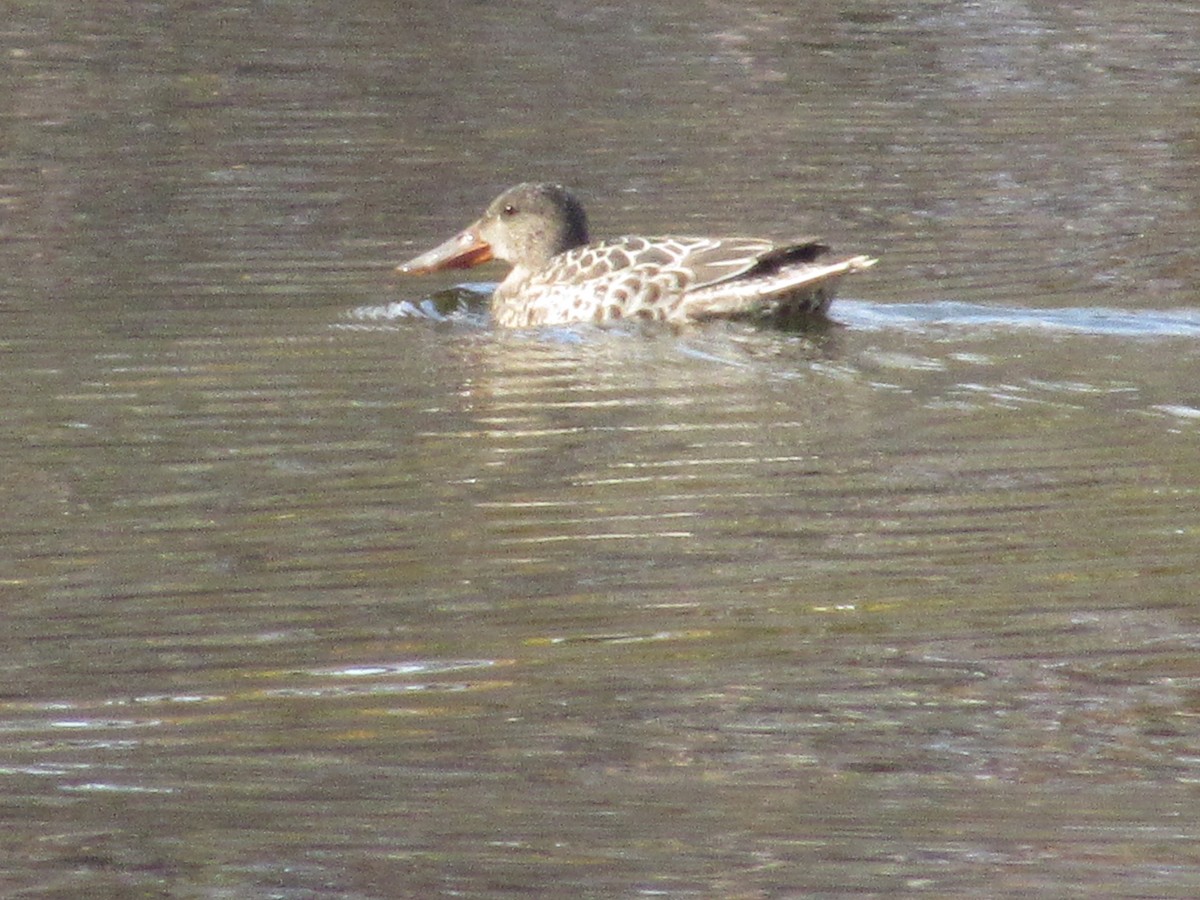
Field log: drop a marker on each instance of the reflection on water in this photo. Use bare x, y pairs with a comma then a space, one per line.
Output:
1088, 320
469, 303
710, 594
314, 584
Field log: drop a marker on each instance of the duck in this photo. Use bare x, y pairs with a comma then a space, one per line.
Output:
558, 276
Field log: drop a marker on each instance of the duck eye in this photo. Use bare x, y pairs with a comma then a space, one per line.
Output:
508, 211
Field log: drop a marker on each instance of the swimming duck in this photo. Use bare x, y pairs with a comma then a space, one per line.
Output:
559, 277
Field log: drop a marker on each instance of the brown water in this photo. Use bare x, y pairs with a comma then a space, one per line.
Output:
312, 587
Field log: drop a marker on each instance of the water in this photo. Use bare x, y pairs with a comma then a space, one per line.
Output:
314, 584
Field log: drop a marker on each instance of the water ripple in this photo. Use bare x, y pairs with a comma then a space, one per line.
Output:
1076, 320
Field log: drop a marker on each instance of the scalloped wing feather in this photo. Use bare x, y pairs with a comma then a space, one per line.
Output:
671, 279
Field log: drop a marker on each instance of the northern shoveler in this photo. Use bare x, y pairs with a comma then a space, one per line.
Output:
558, 277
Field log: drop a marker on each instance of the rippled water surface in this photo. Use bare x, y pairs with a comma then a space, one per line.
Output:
314, 584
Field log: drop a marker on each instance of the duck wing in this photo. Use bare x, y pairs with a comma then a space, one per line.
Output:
786, 284
676, 279
698, 261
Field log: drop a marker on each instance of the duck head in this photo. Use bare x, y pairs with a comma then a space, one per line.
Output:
525, 226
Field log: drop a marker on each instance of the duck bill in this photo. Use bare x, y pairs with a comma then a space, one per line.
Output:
462, 251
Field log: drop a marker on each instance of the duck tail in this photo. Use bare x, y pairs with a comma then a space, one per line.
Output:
783, 287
